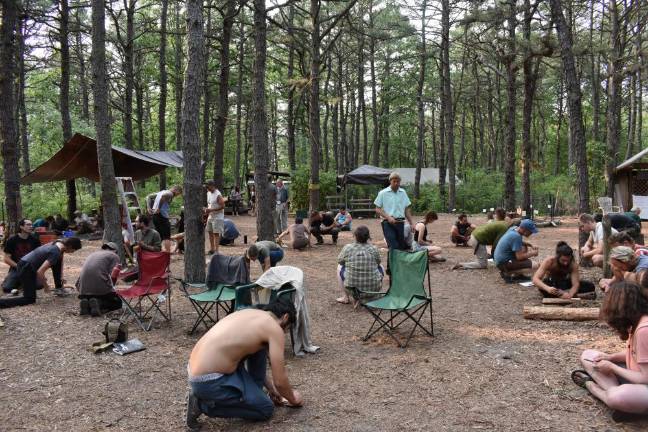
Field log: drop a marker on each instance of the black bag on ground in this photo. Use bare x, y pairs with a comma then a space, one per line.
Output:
116, 331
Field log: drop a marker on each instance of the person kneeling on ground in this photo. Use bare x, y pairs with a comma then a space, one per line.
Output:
592, 251
421, 241
485, 235
343, 219
16, 247
230, 233
32, 267
558, 276
626, 266
227, 367
95, 284
619, 380
461, 230
323, 223
512, 256
269, 253
359, 266
298, 233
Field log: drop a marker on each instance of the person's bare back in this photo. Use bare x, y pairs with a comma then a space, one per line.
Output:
232, 339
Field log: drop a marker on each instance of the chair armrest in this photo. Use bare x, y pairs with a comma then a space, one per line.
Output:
243, 297
184, 285
416, 296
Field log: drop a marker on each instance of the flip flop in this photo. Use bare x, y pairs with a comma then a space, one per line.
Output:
580, 378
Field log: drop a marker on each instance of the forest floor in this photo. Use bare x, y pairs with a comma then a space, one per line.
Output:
486, 368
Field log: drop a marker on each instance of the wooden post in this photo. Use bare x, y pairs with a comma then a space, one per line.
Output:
560, 313
607, 231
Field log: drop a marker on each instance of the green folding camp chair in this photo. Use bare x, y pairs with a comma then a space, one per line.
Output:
406, 296
245, 299
214, 297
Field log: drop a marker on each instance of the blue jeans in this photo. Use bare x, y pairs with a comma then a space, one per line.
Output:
239, 394
394, 235
275, 257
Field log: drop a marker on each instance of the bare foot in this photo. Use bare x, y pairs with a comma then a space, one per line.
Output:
343, 300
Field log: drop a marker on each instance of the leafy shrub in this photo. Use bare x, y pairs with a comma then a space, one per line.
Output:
299, 194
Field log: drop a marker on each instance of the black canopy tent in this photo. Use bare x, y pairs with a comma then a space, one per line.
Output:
78, 158
365, 175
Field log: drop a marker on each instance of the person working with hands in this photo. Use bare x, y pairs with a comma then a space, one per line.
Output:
393, 206
558, 276
620, 380
147, 238
227, 367
626, 266
215, 212
512, 256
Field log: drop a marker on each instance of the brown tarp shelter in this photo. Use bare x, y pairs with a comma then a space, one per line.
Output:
631, 184
78, 158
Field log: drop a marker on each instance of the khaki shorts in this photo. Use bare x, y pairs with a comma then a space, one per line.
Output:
216, 226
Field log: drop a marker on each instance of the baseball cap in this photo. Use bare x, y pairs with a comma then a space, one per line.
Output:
528, 224
622, 253
109, 245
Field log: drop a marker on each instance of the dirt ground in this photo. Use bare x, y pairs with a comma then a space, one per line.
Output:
486, 368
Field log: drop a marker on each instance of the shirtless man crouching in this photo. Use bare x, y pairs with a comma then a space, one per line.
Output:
227, 367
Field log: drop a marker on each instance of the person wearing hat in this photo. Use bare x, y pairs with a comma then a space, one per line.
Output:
393, 207
512, 255
215, 212
626, 265
96, 282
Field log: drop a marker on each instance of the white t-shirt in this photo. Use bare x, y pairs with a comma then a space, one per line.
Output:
598, 232
212, 203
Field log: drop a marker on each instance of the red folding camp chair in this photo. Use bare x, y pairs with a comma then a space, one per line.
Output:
153, 284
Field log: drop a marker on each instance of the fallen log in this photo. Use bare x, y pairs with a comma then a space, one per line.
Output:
559, 301
560, 313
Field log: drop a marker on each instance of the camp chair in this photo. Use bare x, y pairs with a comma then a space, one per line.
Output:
218, 295
605, 205
152, 284
247, 296
406, 292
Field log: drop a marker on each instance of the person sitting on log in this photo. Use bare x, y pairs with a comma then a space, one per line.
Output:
558, 276
460, 233
592, 251
619, 380
512, 256
626, 266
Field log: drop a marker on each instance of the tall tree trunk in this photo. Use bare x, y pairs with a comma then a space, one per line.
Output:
385, 120
374, 108
327, 114
259, 132
129, 48
8, 133
594, 78
509, 147
576, 128
223, 93
239, 104
64, 98
420, 105
615, 66
22, 109
112, 228
177, 77
560, 121
80, 54
314, 111
343, 155
206, 118
447, 95
336, 125
193, 191
163, 87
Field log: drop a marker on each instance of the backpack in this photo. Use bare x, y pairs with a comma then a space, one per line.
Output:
116, 331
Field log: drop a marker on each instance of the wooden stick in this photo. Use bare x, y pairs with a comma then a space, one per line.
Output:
560, 313
559, 301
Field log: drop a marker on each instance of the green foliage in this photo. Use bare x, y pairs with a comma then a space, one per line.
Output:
299, 197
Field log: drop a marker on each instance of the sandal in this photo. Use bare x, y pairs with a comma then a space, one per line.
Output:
580, 378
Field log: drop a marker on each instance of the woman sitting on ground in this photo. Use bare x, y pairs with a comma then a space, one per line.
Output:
558, 276
359, 266
420, 237
298, 233
619, 380
460, 233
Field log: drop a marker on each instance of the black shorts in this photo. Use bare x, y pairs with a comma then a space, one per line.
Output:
162, 226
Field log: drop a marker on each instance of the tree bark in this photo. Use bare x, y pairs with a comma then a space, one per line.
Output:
129, 48
22, 109
193, 191
314, 111
223, 94
239, 104
163, 86
177, 77
447, 95
615, 70
64, 97
420, 105
80, 54
112, 228
206, 118
8, 133
576, 128
259, 132
374, 97
511, 92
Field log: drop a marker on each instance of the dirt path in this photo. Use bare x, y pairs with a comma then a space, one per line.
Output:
487, 368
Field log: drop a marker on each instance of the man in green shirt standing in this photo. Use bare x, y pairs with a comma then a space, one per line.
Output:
485, 235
